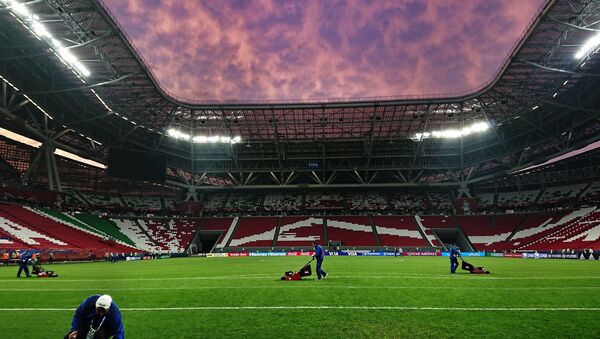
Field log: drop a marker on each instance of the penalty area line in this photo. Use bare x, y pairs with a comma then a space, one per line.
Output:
326, 307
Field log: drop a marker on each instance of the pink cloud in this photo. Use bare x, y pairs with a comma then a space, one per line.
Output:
274, 50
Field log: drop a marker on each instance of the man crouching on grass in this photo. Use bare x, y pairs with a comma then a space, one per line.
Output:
97, 318
319, 255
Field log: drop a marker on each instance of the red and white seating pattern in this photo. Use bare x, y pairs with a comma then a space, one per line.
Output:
428, 232
299, 231
324, 201
536, 237
282, 202
143, 203
29, 226
220, 224
254, 232
517, 199
24, 235
408, 201
162, 235
588, 237
398, 231
478, 228
351, 231
366, 202
139, 238
568, 228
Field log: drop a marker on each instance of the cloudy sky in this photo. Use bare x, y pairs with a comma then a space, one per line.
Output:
309, 49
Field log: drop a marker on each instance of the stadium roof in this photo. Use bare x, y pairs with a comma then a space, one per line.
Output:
544, 102
268, 51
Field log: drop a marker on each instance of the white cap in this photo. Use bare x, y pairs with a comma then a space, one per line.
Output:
104, 301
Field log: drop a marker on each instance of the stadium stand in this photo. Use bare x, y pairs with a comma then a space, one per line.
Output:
351, 231
366, 202
485, 200
552, 195
214, 202
104, 225
282, 202
483, 234
226, 225
33, 225
553, 235
240, 202
299, 231
517, 199
254, 232
411, 201
592, 192
440, 202
324, 201
431, 238
170, 204
104, 201
532, 233
150, 204
172, 235
141, 240
16, 235
73, 199
398, 231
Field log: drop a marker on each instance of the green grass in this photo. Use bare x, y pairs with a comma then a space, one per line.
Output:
376, 282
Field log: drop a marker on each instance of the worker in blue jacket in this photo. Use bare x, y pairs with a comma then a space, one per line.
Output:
454, 255
319, 255
23, 261
97, 317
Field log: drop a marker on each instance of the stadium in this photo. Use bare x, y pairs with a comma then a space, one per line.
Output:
187, 210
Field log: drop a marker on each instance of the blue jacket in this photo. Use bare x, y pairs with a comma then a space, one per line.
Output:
24, 259
454, 252
86, 313
319, 253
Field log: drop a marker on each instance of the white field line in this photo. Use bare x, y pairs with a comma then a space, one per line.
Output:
461, 277
317, 307
303, 287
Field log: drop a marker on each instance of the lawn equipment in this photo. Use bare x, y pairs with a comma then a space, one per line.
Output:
472, 269
305, 271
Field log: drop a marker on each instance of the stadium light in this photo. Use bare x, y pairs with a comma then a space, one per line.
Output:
202, 139
32, 23
453, 133
60, 152
589, 47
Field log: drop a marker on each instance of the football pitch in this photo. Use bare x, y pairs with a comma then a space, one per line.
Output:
374, 297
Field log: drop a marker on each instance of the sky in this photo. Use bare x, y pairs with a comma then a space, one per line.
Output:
246, 50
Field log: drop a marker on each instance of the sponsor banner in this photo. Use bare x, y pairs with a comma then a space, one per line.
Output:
466, 254
201, 255
493, 254
294, 254
237, 254
216, 255
268, 254
132, 258
375, 254
421, 254
513, 255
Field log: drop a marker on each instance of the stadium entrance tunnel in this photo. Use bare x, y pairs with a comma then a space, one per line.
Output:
453, 236
204, 241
